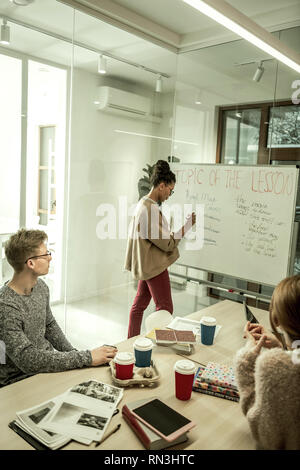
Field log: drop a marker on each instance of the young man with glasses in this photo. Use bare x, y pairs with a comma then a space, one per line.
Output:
33, 340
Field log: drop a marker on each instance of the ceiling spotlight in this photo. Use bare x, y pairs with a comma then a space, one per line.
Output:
5, 33
22, 3
198, 98
238, 115
158, 87
259, 73
102, 65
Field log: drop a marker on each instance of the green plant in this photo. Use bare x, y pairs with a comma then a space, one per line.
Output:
144, 184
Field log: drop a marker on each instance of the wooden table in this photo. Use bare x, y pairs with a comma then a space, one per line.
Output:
220, 422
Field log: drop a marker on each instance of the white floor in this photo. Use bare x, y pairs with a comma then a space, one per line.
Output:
104, 320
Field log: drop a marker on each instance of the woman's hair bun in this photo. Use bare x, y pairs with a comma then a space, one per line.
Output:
162, 165
162, 174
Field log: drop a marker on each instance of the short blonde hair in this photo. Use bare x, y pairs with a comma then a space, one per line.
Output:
22, 245
285, 306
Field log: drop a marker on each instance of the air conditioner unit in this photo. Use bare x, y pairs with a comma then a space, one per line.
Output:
124, 103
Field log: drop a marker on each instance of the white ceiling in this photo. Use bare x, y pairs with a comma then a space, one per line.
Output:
183, 19
212, 69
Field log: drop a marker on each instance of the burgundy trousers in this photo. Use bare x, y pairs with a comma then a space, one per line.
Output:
160, 290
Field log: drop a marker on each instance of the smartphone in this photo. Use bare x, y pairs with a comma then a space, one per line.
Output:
249, 315
162, 419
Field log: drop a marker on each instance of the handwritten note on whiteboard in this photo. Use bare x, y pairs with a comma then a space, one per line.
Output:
248, 218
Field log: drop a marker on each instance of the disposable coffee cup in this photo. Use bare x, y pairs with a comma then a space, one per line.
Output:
184, 378
208, 328
143, 352
124, 362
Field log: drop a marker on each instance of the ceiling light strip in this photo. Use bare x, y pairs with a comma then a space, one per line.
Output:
232, 19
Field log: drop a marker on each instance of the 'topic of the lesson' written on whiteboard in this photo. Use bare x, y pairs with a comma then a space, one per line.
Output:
256, 180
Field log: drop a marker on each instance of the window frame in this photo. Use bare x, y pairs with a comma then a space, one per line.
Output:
265, 154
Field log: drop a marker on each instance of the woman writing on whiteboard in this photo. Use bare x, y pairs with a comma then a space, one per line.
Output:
152, 248
269, 380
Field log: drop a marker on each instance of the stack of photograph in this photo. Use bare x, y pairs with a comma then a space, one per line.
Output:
81, 414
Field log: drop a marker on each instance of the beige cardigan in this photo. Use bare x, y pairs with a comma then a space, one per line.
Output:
151, 247
269, 387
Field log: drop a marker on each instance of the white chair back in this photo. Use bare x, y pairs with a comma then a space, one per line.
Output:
158, 319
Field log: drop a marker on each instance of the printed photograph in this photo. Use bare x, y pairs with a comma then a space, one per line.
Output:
98, 390
39, 415
92, 421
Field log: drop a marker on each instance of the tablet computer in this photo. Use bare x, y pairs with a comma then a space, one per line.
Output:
166, 422
249, 315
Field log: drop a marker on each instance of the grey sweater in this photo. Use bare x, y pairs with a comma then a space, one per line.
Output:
269, 387
33, 340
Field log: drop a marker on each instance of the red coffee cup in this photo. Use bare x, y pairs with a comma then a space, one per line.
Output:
184, 378
124, 362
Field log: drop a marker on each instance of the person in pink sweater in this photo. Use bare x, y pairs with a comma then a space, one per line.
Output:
267, 371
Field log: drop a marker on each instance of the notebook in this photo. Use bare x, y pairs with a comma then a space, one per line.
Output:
215, 390
220, 375
174, 336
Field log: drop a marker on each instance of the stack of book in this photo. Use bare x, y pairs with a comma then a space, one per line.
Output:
174, 336
150, 439
182, 341
217, 380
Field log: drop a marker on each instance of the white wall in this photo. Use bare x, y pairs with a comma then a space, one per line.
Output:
194, 127
10, 139
104, 165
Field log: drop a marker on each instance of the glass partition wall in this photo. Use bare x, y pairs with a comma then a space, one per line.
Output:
120, 125
35, 82
83, 140
236, 103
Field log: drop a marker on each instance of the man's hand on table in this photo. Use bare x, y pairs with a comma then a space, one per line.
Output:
103, 354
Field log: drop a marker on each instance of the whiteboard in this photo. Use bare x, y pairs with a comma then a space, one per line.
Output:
245, 219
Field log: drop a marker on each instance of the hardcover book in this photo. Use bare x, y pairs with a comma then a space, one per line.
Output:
174, 336
215, 390
149, 438
220, 375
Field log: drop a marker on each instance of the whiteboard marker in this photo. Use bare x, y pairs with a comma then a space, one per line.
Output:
221, 288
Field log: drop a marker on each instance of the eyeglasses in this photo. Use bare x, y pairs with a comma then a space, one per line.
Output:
39, 256
171, 191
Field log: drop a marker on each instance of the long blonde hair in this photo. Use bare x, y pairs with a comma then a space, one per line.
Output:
285, 307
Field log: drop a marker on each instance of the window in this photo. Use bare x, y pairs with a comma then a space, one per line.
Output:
47, 177
284, 127
258, 133
241, 136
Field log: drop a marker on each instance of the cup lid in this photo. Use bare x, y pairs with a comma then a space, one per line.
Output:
185, 367
143, 344
208, 321
124, 358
